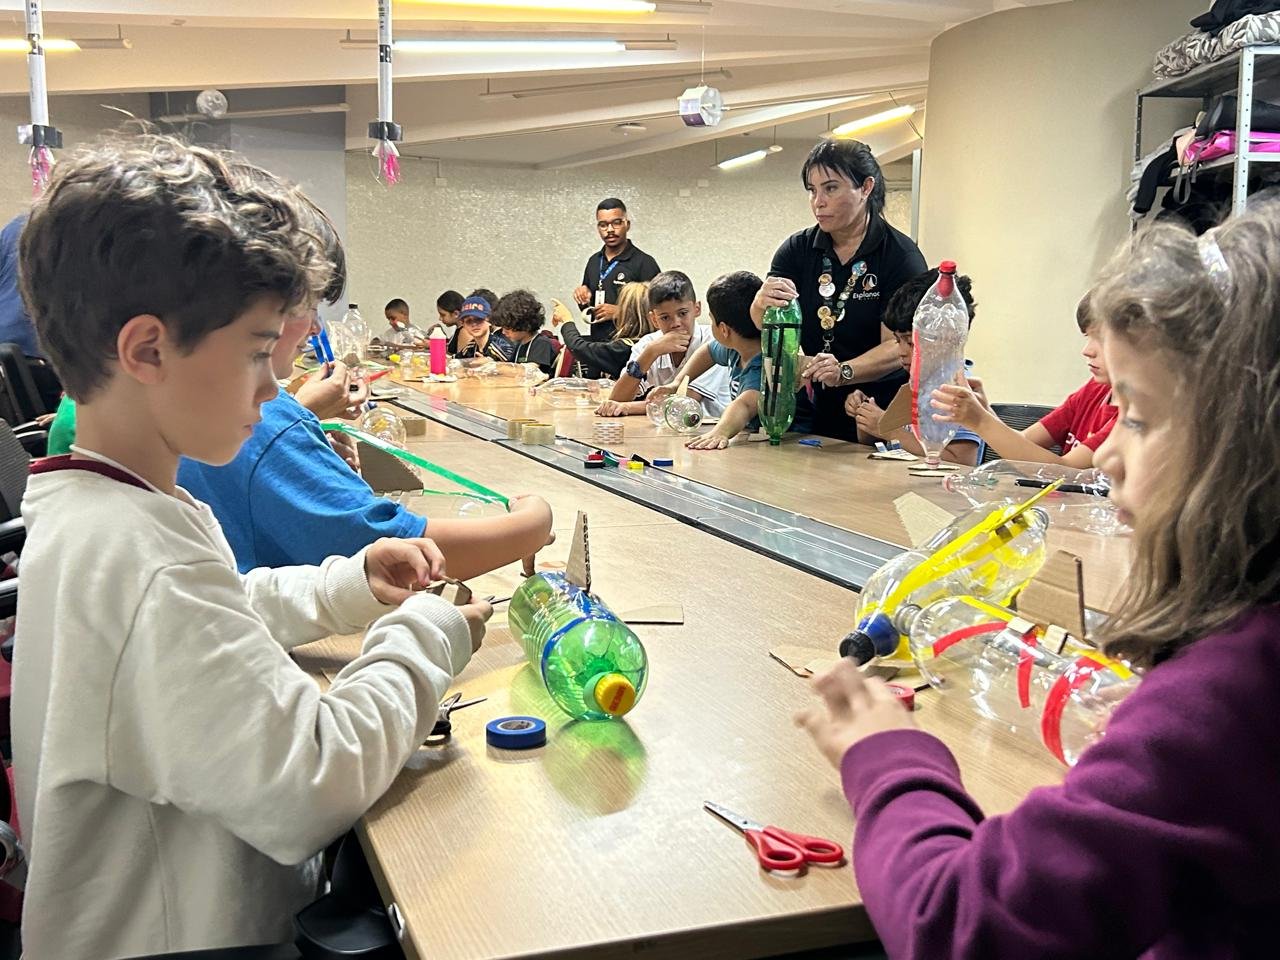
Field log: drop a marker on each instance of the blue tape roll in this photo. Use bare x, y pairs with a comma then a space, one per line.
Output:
516, 733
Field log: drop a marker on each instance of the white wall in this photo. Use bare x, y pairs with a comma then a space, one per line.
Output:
1026, 163
79, 117
508, 227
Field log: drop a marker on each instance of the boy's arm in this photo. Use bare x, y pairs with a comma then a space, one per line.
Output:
210, 714
960, 405
473, 547
734, 420
695, 364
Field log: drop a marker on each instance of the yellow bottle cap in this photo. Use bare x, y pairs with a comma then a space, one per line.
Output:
614, 694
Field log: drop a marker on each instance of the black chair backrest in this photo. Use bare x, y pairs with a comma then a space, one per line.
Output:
15, 465
22, 386
1019, 416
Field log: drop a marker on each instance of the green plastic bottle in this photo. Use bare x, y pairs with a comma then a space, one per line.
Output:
593, 666
780, 347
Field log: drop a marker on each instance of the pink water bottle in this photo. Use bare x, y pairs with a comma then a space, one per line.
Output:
438, 343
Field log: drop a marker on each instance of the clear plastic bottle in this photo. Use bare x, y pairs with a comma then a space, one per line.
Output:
383, 424
994, 564
569, 392
360, 334
1081, 503
939, 331
592, 664
969, 647
681, 414
780, 376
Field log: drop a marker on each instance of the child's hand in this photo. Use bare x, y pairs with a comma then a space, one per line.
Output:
853, 707
975, 384
477, 614
673, 341
559, 313
869, 416
345, 446
708, 441
328, 395
660, 393
953, 403
853, 401
610, 408
396, 569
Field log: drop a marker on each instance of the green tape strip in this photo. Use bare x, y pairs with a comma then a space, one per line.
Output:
479, 492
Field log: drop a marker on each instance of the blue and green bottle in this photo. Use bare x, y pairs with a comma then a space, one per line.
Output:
593, 666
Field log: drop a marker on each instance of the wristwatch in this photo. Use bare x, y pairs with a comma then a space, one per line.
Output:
634, 369
846, 372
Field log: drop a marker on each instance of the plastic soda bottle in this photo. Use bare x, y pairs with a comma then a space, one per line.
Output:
592, 664
780, 346
358, 329
939, 331
994, 565
971, 648
383, 424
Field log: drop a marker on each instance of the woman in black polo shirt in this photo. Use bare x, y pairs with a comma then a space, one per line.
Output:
844, 269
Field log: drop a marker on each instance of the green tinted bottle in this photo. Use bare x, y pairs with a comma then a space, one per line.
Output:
593, 666
780, 348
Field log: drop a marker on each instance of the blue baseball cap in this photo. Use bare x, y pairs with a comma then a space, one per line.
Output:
475, 307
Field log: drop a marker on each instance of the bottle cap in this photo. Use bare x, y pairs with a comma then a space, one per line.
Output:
906, 696
614, 694
876, 636
947, 266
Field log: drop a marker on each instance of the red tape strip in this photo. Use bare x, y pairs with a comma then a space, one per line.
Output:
965, 633
1026, 658
1055, 704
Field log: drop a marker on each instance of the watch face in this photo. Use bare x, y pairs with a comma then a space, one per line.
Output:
846, 372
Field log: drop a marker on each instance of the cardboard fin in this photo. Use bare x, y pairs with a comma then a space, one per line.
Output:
1055, 594
578, 569
898, 415
921, 517
385, 473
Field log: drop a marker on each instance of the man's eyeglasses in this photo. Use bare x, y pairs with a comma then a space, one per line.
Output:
606, 224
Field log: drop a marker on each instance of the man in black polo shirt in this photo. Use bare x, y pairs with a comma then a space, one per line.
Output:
618, 263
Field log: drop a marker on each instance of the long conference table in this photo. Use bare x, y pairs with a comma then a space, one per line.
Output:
597, 844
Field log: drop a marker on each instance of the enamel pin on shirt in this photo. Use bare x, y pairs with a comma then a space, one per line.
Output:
829, 316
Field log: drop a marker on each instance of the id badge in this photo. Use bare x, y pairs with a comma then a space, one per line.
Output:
599, 297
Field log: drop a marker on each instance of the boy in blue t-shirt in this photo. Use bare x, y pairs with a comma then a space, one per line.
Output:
899, 316
737, 347
289, 498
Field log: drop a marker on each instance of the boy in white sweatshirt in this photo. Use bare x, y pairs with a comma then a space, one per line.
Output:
177, 773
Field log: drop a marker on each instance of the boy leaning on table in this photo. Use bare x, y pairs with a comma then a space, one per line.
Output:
176, 771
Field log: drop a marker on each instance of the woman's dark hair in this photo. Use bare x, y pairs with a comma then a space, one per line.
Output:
854, 161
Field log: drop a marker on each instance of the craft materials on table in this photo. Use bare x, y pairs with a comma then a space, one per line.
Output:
516, 733
442, 732
778, 850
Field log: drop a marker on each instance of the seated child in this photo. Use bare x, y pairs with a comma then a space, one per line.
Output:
475, 336
400, 330
448, 308
606, 358
1079, 426
899, 313
177, 773
656, 356
736, 348
520, 317
288, 498
1175, 803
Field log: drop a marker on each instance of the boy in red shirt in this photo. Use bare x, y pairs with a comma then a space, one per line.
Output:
1078, 426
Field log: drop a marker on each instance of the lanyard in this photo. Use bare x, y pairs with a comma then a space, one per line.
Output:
604, 274
828, 317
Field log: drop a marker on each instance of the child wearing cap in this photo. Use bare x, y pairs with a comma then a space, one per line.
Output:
474, 336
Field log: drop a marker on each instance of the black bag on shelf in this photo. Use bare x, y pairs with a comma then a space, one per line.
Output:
1226, 12
1221, 115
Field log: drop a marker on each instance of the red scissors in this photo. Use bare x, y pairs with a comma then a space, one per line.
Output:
779, 849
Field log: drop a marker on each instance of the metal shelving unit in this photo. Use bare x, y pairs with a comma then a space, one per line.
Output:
1241, 70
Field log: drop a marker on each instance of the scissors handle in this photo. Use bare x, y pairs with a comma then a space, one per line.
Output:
815, 849
775, 852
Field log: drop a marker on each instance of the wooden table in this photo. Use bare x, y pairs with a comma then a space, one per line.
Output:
596, 844
834, 483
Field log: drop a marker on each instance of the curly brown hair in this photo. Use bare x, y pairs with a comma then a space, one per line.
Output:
147, 224
519, 310
1210, 549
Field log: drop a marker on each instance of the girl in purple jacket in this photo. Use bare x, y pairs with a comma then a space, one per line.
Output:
1164, 840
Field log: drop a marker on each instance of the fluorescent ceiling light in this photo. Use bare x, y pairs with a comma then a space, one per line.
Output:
588, 6
746, 158
103, 43
22, 45
508, 46
875, 120
552, 91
